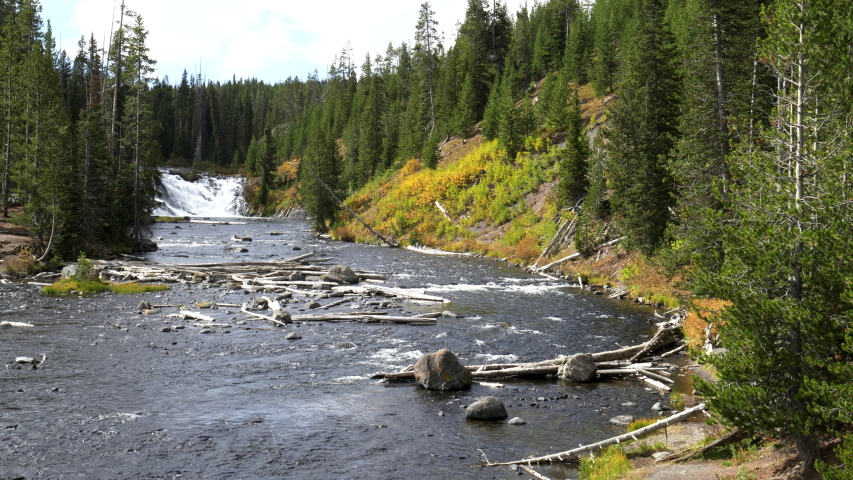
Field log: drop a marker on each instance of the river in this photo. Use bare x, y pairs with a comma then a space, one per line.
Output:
118, 398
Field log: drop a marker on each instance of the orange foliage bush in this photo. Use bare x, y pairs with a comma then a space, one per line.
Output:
700, 317
527, 249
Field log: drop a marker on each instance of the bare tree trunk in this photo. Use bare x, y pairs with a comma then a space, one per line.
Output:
722, 111
117, 83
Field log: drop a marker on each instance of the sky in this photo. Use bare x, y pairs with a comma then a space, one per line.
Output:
265, 39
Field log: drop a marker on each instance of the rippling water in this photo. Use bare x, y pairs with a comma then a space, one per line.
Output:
121, 399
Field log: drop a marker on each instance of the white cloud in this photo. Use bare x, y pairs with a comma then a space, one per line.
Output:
266, 39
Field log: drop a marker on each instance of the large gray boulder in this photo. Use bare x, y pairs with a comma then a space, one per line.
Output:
341, 274
68, 272
577, 368
442, 371
486, 408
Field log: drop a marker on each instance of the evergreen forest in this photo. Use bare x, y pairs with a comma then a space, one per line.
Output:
719, 153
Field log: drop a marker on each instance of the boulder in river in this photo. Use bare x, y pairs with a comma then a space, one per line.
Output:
486, 408
341, 274
442, 371
293, 336
147, 245
577, 368
68, 272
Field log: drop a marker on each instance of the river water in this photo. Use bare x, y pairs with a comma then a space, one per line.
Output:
118, 398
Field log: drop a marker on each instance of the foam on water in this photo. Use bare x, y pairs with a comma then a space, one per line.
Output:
494, 358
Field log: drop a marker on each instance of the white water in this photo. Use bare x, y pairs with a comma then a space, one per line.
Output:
206, 197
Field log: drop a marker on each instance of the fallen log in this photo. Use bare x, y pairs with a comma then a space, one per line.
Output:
298, 258
663, 338
517, 372
577, 255
532, 472
390, 292
16, 324
573, 454
660, 340
196, 315
655, 383
735, 435
655, 376
265, 317
673, 352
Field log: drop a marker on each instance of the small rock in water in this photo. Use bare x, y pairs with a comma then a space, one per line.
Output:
166, 329
296, 249
622, 420
206, 331
517, 421
312, 305
440, 414
293, 336
486, 408
144, 305
449, 314
659, 407
344, 345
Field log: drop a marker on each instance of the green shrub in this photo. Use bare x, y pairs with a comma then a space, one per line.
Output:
608, 464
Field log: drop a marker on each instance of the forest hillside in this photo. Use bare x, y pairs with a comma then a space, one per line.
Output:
709, 140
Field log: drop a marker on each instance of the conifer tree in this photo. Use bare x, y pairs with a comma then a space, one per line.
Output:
643, 129
573, 159
319, 174
788, 246
140, 129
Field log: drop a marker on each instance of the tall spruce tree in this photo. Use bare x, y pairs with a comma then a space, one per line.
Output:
643, 131
140, 130
788, 246
319, 174
574, 158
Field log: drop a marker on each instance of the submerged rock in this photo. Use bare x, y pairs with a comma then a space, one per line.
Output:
622, 420
293, 336
486, 408
442, 371
517, 421
577, 368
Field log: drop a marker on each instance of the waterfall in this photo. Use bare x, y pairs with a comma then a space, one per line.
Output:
206, 197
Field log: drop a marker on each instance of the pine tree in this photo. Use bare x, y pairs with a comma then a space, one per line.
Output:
140, 129
319, 174
573, 159
266, 168
720, 37
643, 129
788, 246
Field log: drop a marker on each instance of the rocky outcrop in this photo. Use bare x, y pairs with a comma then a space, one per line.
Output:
577, 368
486, 408
442, 371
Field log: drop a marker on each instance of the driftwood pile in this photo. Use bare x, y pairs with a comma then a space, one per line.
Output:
614, 363
293, 276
